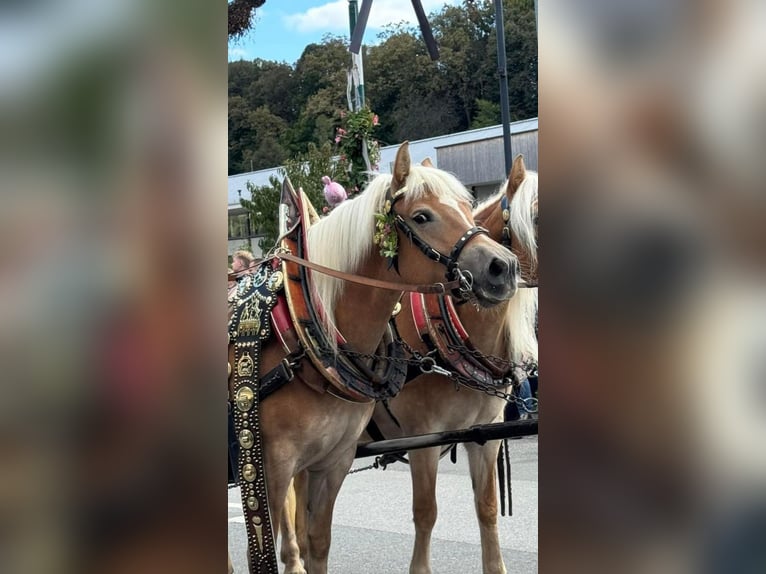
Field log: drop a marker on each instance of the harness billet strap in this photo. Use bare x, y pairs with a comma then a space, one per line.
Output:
449, 261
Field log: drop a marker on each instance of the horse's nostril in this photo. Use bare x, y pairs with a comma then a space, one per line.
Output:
498, 268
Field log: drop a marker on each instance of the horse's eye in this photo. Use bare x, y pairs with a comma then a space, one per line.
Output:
421, 217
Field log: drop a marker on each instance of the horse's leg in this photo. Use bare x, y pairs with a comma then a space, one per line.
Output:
323, 489
424, 464
482, 460
290, 553
301, 485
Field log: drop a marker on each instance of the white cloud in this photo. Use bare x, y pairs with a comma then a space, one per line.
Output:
237, 53
333, 16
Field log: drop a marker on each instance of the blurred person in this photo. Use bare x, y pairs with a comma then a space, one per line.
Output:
242, 260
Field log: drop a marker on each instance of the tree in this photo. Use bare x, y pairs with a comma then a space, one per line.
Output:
241, 16
487, 114
305, 172
413, 96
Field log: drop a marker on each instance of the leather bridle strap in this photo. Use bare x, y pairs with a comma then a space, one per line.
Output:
449, 261
440, 288
505, 240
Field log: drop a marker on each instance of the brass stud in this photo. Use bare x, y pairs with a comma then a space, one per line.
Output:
246, 438
249, 472
245, 398
252, 503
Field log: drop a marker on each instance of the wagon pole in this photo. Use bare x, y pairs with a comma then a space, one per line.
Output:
479, 434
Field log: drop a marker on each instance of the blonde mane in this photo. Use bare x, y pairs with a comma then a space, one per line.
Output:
521, 310
344, 239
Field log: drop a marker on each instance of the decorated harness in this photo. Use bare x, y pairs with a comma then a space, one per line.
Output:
275, 301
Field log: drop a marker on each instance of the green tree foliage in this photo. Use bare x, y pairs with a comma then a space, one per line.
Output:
276, 110
487, 114
305, 172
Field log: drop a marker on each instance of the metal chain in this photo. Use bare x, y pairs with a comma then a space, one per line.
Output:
381, 462
427, 364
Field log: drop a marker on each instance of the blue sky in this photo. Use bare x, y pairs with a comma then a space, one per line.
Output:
283, 29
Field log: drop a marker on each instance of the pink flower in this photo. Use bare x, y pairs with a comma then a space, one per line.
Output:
375, 119
341, 131
325, 209
337, 139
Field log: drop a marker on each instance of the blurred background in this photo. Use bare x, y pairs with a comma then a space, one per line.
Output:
112, 412
652, 139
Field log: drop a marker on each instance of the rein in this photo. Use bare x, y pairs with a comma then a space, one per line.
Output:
440, 288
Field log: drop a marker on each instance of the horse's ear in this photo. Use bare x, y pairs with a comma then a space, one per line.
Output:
427, 162
517, 175
401, 167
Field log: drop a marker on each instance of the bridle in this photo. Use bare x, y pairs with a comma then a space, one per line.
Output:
454, 273
506, 236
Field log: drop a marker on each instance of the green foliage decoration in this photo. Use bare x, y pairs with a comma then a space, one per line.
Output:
351, 138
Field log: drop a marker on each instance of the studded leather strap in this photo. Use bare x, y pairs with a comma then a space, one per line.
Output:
248, 326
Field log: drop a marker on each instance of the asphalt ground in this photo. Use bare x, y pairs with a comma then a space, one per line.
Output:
373, 531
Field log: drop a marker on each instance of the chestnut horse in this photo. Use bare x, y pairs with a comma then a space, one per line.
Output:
304, 430
432, 403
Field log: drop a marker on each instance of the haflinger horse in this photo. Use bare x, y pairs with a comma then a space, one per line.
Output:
312, 422
487, 344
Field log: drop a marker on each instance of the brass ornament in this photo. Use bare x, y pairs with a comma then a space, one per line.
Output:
397, 309
246, 438
245, 366
258, 531
249, 472
252, 503
244, 399
275, 281
506, 215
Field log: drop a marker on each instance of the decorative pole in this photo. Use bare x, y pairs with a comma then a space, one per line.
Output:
357, 68
502, 70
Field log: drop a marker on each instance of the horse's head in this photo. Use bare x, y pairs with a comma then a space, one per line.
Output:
430, 212
511, 217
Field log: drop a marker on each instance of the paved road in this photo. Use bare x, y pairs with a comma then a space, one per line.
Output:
373, 531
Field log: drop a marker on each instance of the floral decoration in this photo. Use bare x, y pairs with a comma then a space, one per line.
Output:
385, 232
350, 140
